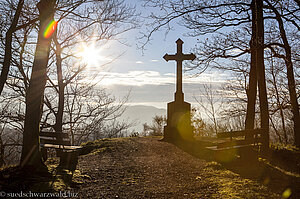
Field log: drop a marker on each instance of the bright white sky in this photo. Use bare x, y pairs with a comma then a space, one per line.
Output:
147, 75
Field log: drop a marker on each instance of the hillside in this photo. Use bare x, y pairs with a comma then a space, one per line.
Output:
149, 168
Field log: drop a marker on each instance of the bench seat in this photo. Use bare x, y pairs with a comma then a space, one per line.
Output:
56, 146
62, 144
216, 148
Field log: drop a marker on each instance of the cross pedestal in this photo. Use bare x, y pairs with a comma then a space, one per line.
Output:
178, 122
178, 112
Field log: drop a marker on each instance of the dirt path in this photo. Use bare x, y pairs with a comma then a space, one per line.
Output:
148, 168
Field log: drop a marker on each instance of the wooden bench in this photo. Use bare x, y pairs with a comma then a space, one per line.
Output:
62, 144
237, 146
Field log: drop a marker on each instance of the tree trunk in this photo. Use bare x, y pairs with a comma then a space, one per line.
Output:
290, 76
252, 90
61, 96
263, 101
61, 88
293, 95
2, 150
8, 42
31, 155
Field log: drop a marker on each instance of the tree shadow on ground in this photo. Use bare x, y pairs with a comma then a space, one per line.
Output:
55, 178
15, 179
276, 179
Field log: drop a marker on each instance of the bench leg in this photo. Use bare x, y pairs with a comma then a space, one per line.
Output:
59, 152
44, 154
226, 156
248, 154
69, 160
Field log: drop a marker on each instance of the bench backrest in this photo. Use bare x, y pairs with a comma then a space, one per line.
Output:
253, 133
58, 138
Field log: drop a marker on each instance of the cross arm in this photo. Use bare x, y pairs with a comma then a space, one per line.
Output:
189, 57
179, 57
168, 57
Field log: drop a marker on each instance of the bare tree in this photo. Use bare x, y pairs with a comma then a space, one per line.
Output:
211, 103
290, 69
252, 87
87, 20
198, 124
31, 155
156, 128
279, 105
106, 15
10, 139
88, 109
8, 45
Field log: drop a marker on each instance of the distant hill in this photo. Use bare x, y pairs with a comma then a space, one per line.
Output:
141, 114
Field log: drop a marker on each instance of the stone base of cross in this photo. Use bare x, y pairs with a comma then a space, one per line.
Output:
178, 122
179, 112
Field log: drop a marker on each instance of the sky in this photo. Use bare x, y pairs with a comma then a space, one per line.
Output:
145, 74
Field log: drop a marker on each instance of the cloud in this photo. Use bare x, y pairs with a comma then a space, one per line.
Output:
207, 78
135, 78
156, 89
141, 78
170, 74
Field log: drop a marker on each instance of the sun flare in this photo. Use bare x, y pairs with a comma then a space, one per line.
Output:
90, 55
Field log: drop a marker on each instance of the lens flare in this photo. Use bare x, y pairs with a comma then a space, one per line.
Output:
287, 193
50, 29
90, 55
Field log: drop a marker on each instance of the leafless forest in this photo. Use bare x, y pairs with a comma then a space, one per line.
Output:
43, 83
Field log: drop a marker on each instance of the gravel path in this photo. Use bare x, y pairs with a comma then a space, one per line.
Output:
149, 168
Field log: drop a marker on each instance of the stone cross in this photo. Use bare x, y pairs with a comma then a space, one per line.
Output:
179, 57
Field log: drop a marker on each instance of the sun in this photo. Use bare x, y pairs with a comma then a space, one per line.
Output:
90, 55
